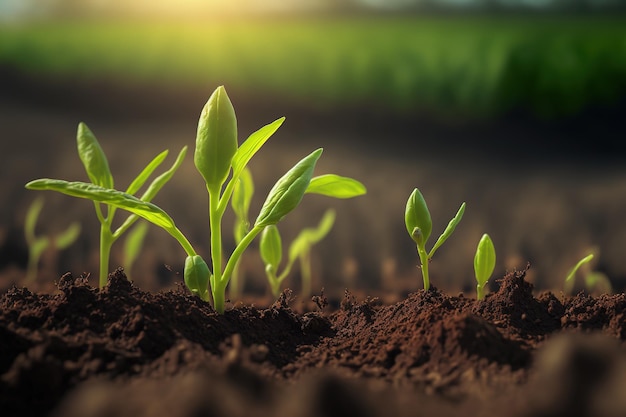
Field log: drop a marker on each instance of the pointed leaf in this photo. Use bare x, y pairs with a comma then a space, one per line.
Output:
288, 191
146, 172
332, 185
449, 229
576, 267
93, 157
69, 236
30, 222
252, 145
162, 179
114, 198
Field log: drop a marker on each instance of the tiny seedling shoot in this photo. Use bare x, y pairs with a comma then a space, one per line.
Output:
97, 167
37, 245
300, 249
484, 264
221, 163
419, 226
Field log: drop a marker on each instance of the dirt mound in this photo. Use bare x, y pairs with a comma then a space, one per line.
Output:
122, 351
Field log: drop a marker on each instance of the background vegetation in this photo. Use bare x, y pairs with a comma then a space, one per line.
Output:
457, 65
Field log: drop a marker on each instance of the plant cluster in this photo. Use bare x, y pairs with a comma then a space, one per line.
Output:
37, 245
221, 162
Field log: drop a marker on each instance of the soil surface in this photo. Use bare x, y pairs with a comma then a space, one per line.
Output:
120, 351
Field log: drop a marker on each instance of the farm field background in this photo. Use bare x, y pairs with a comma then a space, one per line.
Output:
469, 66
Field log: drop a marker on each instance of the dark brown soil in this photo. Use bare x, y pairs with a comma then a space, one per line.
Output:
121, 351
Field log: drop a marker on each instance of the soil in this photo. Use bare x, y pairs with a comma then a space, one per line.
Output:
120, 351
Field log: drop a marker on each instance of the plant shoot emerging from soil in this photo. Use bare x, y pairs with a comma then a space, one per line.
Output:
419, 226
221, 162
300, 249
484, 264
97, 168
37, 245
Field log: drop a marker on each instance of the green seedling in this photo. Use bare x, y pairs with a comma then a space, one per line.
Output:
594, 280
97, 167
299, 250
37, 245
221, 162
484, 264
419, 226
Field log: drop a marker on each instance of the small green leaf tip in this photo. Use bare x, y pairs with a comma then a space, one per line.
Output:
197, 275
484, 264
417, 218
216, 139
93, 157
288, 190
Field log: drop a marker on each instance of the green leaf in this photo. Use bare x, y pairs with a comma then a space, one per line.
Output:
93, 157
216, 139
288, 191
134, 243
242, 195
271, 247
162, 179
143, 176
30, 222
68, 236
449, 229
310, 236
197, 275
417, 218
252, 145
484, 260
332, 185
576, 267
114, 198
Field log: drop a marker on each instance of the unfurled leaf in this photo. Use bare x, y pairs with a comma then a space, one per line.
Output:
288, 191
114, 198
252, 145
93, 157
448, 231
336, 186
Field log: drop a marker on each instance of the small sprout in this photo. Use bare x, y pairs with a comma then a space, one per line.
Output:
37, 245
576, 267
594, 280
299, 250
484, 264
101, 190
419, 226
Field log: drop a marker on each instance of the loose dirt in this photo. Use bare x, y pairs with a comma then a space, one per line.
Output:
120, 351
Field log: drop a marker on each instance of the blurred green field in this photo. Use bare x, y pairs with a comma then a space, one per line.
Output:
456, 66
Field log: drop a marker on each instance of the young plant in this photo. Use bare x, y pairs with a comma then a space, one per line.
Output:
221, 162
594, 280
37, 245
419, 226
97, 167
484, 264
300, 249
